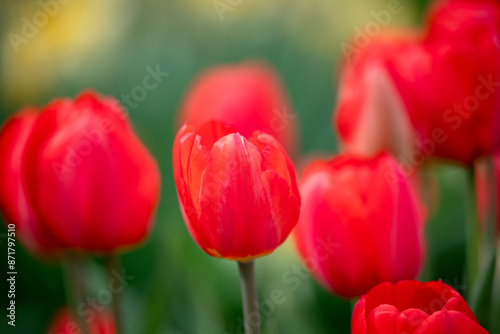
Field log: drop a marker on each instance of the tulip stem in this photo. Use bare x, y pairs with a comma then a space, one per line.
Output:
495, 307
251, 314
491, 235
471, 233
113, 265
75, 289
488, 237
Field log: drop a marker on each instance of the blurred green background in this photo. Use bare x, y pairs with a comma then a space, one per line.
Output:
107, 45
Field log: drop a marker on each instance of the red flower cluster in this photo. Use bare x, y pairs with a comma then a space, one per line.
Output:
431, 94
75, 176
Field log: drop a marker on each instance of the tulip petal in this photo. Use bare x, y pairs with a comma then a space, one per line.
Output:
370, 115
409, 320
212, 131
332, 223
274, 158
284, 205
458, 304
358, 319
14, 203
231, 189
182, 151
398, 257
382, 319
449, 322
404, 295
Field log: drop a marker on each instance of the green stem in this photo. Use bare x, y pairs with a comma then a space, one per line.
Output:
75, 290
481, 291
495, 307
113, 265
491, 241
489, 235
471, 233
251, 315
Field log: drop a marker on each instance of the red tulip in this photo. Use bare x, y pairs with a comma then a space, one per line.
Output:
89, 179
456, 93
248, 96
411, 307
66, 323
459, 90
13, 201
360, 224
443, 83
238, 195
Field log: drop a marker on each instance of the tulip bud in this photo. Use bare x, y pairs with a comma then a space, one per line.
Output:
360, 224
370, 115
66, 323
13, 201
413, 307
88, 177
238, 194
247, 96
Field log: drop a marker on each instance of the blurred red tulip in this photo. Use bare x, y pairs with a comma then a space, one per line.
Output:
89, 179
13, 201
248, 96
360, 224
370, 115
441, 86
238, 195
66, 323
411, 307
458, 91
